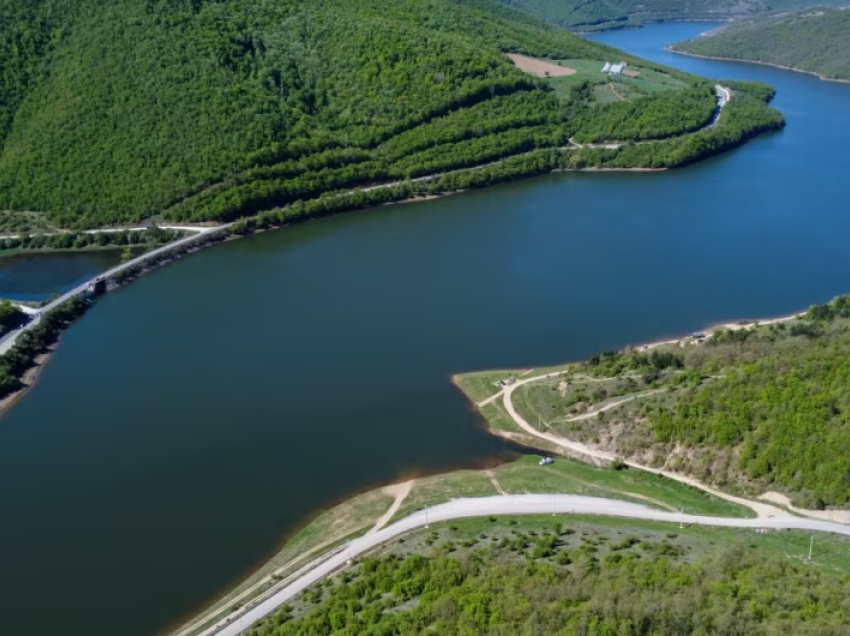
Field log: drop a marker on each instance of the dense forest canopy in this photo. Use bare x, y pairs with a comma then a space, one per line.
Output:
111, 112
816, 40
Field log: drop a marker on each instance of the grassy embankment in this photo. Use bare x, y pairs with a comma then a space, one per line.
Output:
334, 527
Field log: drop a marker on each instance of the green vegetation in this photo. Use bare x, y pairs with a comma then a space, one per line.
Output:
34, 342
815, 40
613, 14
142, 239
667, 114
595, 15
21, 222
10, 315
782, 401
574, 576
744, 117
749, 409
606, 88
565, 476
206, 110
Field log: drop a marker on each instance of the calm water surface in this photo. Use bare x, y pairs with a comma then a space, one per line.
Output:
190, 421
36, 277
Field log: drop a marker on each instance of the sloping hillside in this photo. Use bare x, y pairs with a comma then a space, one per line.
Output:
117, 111
591, 15
612, 14
815, 40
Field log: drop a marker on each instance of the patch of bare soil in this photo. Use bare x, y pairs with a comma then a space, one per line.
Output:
540, 68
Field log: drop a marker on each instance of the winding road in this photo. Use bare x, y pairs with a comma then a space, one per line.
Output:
498, 505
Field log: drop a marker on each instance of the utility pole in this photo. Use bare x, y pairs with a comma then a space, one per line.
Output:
348, 547
811, 543
426, 518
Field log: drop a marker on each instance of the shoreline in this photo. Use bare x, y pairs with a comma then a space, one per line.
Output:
734, 325
219, 602
635, 27
760, 63
29, 379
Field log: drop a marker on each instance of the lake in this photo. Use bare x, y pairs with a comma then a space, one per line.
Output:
190, 421
36, 277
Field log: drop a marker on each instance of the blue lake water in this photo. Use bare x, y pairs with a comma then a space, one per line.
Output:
189, 422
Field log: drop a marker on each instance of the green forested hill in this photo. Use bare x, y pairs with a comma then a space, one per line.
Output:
590, 15
596, 14
206, 110
816, 40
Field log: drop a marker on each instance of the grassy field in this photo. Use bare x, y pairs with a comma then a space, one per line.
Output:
479, 385
648, 82
566, 476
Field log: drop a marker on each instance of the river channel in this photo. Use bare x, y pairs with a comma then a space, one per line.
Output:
190, 421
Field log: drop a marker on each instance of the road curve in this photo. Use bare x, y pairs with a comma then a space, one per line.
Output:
499, 505
761, 509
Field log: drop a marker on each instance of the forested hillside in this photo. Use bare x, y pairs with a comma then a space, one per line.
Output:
815, 40
749, 409
116, 111
607, 14
587, 579
591, 15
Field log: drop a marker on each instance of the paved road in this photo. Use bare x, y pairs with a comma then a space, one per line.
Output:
503, 505
10, 338
112, 230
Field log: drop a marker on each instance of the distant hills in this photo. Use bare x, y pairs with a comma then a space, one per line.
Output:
589, 15
815, 40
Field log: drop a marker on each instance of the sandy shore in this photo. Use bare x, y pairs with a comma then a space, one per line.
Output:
736, 59
29, 380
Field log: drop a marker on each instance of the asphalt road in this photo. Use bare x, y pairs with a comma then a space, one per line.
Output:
8, 341
501, 505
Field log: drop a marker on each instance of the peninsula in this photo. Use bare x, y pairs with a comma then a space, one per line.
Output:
661, 432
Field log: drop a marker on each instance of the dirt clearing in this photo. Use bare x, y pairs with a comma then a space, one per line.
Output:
540, 68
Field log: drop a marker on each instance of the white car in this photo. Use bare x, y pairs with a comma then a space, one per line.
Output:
545, 461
